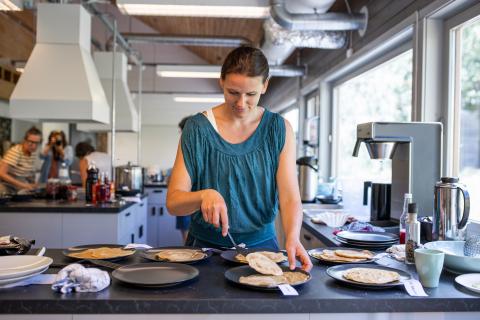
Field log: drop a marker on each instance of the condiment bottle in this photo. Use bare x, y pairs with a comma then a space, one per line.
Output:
404, 217
107, 188
100, 189
413, 234
92, 177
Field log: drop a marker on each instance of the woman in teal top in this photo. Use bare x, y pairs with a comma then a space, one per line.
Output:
235, 166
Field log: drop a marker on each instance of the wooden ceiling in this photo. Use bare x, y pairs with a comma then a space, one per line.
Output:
17, 31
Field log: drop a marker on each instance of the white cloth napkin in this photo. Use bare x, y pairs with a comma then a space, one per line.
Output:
137, 246
76, 277
397, 252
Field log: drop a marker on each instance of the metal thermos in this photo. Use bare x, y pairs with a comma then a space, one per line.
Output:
448, 221
308, 178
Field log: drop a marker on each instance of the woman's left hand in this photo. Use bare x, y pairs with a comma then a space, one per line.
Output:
296, 250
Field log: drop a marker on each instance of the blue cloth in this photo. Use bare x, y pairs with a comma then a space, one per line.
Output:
271, 244
244, 174
47, 162
361, 226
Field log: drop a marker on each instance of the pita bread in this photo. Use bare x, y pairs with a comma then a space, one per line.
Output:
289, 277
180, 255
259, 281
333, 256
364, 254
371, 276
101, 253
274, 256
263, 265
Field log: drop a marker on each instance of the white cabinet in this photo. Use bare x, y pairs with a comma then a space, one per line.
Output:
160, 224
141, 222
309, 241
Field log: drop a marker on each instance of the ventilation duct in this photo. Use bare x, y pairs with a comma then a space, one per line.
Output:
126, 116
60, 82
186, 40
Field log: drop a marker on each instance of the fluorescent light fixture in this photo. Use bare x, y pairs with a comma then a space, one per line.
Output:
255, 9
199, 99
188, 71
20, 69
11, 5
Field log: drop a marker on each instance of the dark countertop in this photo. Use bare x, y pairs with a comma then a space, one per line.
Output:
155, 185
321, 231
211, 293
62, 206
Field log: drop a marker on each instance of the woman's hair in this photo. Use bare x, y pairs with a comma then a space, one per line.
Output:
83, 149
248, 61
61, 133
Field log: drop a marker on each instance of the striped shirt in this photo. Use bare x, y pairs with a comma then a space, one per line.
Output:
20, 165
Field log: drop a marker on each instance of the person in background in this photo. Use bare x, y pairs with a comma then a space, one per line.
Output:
55, 153
87, 155
17, 168
235, 167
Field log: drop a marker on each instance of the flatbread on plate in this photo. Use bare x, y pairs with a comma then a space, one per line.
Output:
371, 275
180, 255
288, 277
274, 256
263, 265
101, 253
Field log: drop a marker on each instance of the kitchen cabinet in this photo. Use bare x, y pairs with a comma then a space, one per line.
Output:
309, 241
160, 224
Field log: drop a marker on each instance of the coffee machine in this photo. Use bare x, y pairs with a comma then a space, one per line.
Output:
415, 149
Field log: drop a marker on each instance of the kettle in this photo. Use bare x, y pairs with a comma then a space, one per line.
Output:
307, 178
448, 223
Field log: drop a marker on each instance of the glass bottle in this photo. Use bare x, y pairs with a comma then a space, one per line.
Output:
92, 177
107, 188
413, 234
404, 217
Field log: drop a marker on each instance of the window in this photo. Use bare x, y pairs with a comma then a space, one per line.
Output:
291, 114
311, 124
380, 94
465, 40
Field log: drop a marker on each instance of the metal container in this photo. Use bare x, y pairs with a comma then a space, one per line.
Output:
448, 222
308, 178
129, 180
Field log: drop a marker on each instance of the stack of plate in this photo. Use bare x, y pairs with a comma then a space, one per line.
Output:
17, 268
367, 240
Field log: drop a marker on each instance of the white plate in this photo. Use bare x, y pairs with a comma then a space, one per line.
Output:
16, 279
469, 280
17, 266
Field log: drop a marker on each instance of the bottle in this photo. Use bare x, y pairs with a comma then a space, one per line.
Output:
107, 188
100, 189
63, 172
413, 234
92, 177
404, 217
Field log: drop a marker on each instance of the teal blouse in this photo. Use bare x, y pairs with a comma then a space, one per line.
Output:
244, 174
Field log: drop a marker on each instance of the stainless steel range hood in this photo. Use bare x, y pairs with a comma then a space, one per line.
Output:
126, 116
60, 82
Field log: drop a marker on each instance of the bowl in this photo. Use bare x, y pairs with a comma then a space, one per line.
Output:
455, 260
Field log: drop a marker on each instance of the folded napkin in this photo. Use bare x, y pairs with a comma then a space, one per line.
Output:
76, 277
359, 226
397, 251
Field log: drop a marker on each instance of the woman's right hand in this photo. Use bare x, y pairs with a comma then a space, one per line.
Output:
214, 209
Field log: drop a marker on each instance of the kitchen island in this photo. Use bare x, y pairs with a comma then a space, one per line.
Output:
61, 224
210, 293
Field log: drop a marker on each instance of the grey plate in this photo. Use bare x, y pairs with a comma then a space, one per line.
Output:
320, 250
229, 255
370, 237
365, 246
70, 250
336, 273
155, 275
150, 254
233, 275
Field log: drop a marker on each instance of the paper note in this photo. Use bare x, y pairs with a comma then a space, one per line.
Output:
288, 290
414, 288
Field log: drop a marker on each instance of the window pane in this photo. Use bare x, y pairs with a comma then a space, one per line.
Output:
470, 114
292, 117
380, 94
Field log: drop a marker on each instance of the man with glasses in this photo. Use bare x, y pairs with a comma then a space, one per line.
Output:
17, 170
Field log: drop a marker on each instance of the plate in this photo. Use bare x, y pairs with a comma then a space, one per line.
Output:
17, 266
155, 275
336, 273
320, 250
70, 250
150, 254
376, 246
233, 275
471, 281
229, 255
16, 279
368, 237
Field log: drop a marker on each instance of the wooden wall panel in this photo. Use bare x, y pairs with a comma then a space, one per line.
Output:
16, 37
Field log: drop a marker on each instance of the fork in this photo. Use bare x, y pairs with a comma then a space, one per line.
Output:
239, 249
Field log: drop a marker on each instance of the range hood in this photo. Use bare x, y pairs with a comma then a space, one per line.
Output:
60, 82
126, 116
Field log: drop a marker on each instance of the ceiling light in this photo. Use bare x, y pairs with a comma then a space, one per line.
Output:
188, 71
11, 5
256, 9
199, 99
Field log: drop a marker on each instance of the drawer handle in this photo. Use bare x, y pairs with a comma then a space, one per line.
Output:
127, 214
158, 191
153, 211
161, 211
132, 237
141, 204
140, 232
307, 237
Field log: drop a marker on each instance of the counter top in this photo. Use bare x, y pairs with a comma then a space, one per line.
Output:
62, 206
211, 293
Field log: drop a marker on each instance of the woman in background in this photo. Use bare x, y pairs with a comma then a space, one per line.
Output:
56, 153
88, 156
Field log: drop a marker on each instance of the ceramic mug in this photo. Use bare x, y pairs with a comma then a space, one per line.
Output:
429, 264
